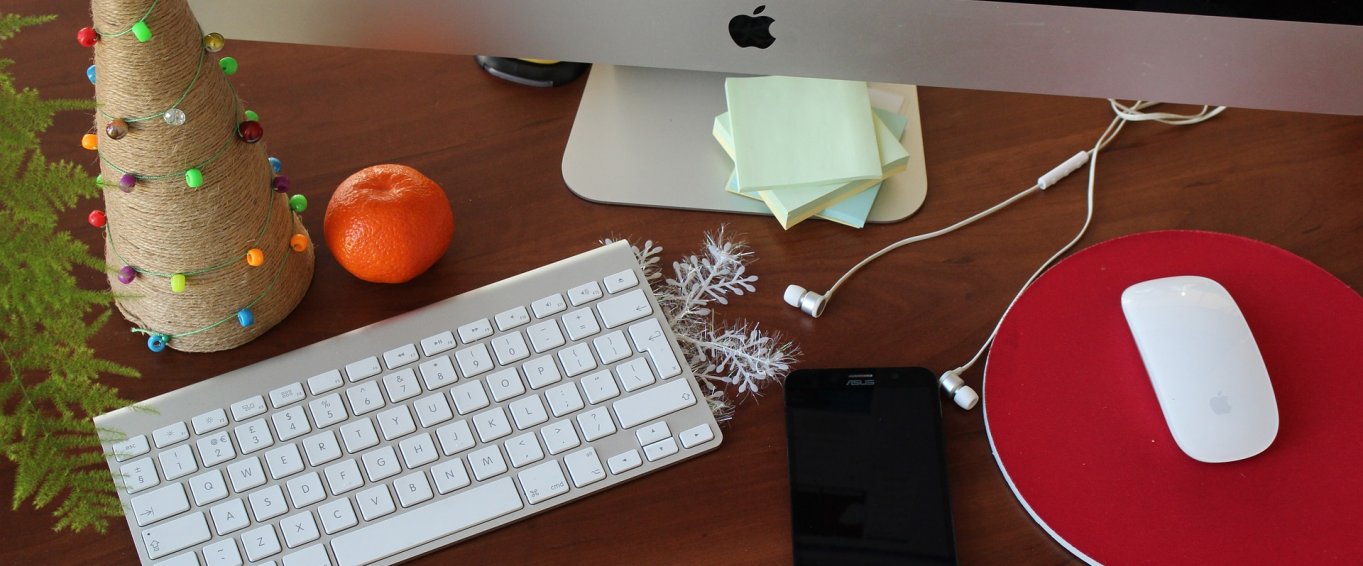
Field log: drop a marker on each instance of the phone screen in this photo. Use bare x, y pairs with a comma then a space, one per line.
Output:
868, 478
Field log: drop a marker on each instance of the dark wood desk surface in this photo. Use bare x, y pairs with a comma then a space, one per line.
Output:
1292, 180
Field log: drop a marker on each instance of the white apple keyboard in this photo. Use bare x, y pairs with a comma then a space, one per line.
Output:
419, 431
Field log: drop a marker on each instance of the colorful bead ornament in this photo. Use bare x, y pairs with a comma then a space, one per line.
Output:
229, 66
174, 117
127, 274
298, 203
87, 37
298, 242
255, 257
244, 316
141, 31
194, 178
90, 73
252, 116
116, 129
90, 142
250, 131
127, 182
280, 184
97, 218
276, 164
214, 42
177, 283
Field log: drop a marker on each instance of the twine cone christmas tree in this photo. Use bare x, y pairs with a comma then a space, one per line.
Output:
206, 249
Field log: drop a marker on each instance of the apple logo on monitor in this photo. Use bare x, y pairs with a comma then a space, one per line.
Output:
752, 31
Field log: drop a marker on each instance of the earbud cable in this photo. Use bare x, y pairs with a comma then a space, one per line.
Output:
1124, 114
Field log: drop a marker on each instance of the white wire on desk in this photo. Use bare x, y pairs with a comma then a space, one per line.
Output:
814, 303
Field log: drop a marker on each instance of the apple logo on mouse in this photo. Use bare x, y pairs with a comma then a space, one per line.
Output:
752, 31
1220, 403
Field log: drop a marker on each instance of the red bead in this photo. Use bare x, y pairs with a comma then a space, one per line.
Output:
97, 218
87, 37
250, 131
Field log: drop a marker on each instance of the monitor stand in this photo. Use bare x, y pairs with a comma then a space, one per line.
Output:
642, 137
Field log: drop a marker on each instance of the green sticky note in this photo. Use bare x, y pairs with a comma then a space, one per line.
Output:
847, 203
792, 131
854, 210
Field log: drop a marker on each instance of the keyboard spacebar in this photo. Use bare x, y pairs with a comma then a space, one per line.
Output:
425, 524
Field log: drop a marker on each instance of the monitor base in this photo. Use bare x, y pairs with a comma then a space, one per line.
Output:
642, 138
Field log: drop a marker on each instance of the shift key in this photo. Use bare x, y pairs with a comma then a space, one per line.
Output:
653, 403
176, 535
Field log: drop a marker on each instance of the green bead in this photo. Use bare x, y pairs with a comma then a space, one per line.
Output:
99, 180
298, 203
142, 32
229, 65
194, 178
252, 116
177, 283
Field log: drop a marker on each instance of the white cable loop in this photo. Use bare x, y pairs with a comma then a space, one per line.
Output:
1124, 114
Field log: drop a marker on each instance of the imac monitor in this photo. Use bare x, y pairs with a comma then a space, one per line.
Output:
643, 130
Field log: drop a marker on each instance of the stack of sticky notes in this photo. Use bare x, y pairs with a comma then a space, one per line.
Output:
809, 147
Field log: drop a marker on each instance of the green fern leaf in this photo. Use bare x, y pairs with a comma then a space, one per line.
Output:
49, 375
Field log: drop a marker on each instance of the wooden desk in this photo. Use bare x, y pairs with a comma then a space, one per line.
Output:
1293, 180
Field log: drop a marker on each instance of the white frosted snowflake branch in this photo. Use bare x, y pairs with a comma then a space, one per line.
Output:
722, 270
720, 356
742, 355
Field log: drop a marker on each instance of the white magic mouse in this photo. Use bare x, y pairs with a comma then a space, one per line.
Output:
1205, 367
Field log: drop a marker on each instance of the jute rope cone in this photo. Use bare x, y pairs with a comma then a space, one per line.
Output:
162, 226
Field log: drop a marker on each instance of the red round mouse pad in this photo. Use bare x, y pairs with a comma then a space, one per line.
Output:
1078, 432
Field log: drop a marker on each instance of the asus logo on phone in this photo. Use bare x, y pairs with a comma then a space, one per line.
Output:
861, 382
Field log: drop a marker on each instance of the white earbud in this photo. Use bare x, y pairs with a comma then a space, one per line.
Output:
809, 302
962, 394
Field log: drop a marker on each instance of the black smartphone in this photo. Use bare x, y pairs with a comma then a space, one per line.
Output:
868, 482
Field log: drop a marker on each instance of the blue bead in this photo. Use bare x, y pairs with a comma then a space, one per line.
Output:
156, 342
245, 317
274, 161
90, 74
